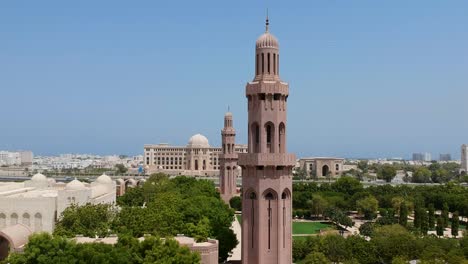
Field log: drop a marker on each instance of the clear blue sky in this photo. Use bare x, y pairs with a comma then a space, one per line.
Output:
368, 78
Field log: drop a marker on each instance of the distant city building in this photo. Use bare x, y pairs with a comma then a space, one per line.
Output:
322, 166
16, 158
38, 203
445, 157
464, 158
198, 158
422, 157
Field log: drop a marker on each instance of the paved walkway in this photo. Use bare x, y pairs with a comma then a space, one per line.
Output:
236, 252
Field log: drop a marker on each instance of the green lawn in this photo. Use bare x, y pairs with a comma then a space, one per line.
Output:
309, 227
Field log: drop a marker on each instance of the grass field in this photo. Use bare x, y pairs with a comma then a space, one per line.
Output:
309, 227
305, 228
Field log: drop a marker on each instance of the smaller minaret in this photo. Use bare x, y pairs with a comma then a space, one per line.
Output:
228, 160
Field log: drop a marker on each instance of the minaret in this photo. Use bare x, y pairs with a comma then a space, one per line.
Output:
228, 160
267, 168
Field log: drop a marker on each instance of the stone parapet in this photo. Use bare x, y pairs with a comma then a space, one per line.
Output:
267, 159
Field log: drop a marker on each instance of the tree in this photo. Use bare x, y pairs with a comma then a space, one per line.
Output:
368, 207
363, 165
445, 215
431, 216
421, 175
424, 221
366, 229
87, 220
396, 203
44, 248
455, 224
317, 205
316, 258
440, 227
347, 185
387, 172
121, 169
403, 217
334, 247
236, 203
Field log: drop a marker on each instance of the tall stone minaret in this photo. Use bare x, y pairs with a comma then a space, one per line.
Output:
267, 168
228, 160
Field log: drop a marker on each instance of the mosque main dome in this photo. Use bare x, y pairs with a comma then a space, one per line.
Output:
198, 141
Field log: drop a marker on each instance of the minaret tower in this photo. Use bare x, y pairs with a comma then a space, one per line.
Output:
267, 168
228, 160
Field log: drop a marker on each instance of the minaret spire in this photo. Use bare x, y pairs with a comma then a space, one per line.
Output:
267, 22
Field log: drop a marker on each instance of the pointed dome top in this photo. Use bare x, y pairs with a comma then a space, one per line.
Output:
267, 40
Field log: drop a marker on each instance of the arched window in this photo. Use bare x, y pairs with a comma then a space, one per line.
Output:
37, 222
13, 219
255, 137
196, 164
269, 131
26, 219
269, 197
204, 164
282, 138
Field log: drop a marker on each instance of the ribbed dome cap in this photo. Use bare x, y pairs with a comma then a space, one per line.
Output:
267, 40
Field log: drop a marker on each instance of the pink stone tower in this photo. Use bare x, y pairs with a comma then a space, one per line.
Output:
267, 168
228, 160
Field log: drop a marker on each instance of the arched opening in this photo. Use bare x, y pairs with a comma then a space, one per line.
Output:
325, 170
284, 197
268, 62
256, 65
252, 196
269, 196
263, 64
37, 222
13, 219
204, 164
4, 248
196, 164
277, 67
255, 138
229, 148
26, 219
282, 138
274, 63
269, 131
337, 167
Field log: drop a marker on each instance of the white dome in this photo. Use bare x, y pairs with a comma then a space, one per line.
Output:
39, 178
75, 185
198, 141
104, 179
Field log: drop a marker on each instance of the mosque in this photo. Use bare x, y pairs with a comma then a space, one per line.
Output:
35, 205
198, 158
